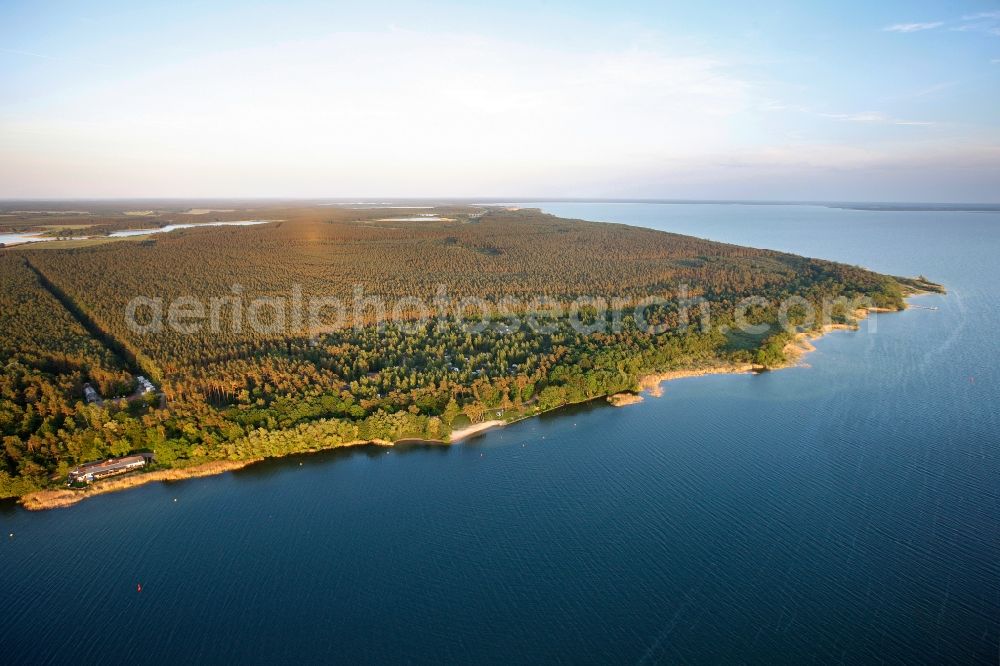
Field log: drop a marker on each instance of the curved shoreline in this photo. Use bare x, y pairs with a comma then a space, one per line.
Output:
801, 344
650, 384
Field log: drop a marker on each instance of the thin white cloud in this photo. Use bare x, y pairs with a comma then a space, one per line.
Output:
990, 28
42, 56
27, 53
775, 105
982, 15
874, 118
864, 117
936, 88
985, 22
913, 27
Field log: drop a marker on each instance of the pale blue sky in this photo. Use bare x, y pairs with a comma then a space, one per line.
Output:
775, 100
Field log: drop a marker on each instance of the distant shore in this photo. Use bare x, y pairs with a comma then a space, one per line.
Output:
650, 384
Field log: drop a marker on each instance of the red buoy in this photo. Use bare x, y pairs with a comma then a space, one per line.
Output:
138, 587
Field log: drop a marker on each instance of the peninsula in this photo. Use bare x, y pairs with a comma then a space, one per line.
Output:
339, 325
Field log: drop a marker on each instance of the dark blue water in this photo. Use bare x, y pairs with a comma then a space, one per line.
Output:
848, 511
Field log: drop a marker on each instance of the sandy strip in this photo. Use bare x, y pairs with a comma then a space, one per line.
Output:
651, 383
52, 499
462, 433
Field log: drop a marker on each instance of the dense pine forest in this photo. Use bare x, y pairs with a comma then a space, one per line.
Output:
235, 391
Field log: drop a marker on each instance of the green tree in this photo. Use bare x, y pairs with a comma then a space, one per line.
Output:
451, 411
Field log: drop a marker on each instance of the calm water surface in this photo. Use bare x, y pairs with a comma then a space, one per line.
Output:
18, 238
33, 237
844, 512
174, 227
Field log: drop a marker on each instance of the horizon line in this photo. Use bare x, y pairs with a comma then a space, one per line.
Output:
499, 200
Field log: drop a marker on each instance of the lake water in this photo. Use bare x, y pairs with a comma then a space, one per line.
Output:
848, 511
17, 239
174, 227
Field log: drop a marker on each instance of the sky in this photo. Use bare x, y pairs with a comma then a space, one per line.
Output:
845, 100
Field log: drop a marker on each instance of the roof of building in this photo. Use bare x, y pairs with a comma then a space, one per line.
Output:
110, 463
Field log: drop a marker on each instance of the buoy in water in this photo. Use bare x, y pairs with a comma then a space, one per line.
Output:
138, 587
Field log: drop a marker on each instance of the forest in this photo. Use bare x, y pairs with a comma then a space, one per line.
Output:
238, 391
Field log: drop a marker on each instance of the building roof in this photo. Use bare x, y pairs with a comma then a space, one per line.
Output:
110, 463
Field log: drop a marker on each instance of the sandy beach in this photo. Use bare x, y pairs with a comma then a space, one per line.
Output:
56, 498
651, 383
468, 431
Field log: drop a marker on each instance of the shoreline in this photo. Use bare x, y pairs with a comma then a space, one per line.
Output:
795, 350
56, 498
474, 429
651, 383
801, 343
62, 497
624, 399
